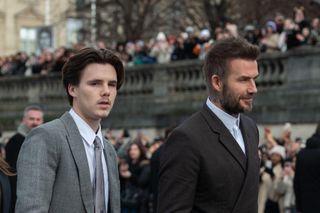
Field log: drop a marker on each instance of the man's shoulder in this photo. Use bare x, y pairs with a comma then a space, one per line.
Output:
191, 121
247, 120
14, 143
56, 123
47, 136
16, 138
190, 127
51, 128
62, 122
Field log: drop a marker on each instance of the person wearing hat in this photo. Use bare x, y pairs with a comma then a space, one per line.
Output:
274, 203
66, 165
271, 38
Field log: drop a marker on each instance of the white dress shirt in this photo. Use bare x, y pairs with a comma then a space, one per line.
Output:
232, 123
88, 137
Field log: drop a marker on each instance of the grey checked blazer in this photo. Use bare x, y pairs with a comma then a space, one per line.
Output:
53, 172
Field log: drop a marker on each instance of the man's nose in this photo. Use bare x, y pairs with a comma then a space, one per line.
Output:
105, 90
252, 89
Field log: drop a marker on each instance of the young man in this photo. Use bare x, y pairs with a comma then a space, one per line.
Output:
66, 165
210, 162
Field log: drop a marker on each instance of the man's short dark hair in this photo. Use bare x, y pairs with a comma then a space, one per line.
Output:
31, 107
73, 68
222, 52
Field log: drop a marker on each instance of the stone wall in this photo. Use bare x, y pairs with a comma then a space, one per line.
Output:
156, 96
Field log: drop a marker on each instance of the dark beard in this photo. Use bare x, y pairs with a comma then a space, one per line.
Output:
230, 103
231, 108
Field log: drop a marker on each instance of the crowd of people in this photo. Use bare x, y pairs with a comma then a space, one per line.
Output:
277, 171
139, 166
279, 34
209, 163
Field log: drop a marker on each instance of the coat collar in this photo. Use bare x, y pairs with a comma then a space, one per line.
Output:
225, 137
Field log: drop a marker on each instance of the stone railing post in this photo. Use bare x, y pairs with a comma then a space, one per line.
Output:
161, 82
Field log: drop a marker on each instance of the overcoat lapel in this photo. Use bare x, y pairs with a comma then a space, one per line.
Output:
247, 138
79, 154
225, 137
251, 152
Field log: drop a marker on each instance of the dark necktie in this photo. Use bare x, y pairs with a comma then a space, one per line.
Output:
99, 198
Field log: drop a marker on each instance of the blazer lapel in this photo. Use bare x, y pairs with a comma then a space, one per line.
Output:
225, 137
79, 154
112, 176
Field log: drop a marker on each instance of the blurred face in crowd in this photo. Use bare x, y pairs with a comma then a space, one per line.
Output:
32, 118
94, 97
238, 86
305, 32
315, 23
289, 24
59, 53
299, 15
134, 152
275, 159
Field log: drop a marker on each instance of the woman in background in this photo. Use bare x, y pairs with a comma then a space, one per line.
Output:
135, 180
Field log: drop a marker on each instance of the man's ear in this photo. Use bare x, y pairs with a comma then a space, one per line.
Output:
216, 83
72, 90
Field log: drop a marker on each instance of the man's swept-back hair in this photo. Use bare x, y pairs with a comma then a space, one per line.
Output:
73, 68
221, 53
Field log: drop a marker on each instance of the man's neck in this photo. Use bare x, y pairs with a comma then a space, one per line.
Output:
94, 124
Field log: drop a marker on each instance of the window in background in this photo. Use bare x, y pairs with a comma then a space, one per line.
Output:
28, 41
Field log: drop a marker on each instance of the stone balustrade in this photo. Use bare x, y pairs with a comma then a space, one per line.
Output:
161, 94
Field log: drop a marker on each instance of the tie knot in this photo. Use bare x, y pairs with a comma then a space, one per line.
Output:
97, 143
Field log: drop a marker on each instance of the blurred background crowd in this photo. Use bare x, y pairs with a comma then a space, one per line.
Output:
139, 155
279, 34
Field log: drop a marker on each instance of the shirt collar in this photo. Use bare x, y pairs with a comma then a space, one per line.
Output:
85, 130
228, 120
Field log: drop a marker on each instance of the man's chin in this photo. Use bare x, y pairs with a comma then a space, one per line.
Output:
247, 109
107, 113
103, 115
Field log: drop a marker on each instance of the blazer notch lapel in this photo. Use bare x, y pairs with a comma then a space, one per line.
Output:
112, 173
79, 155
